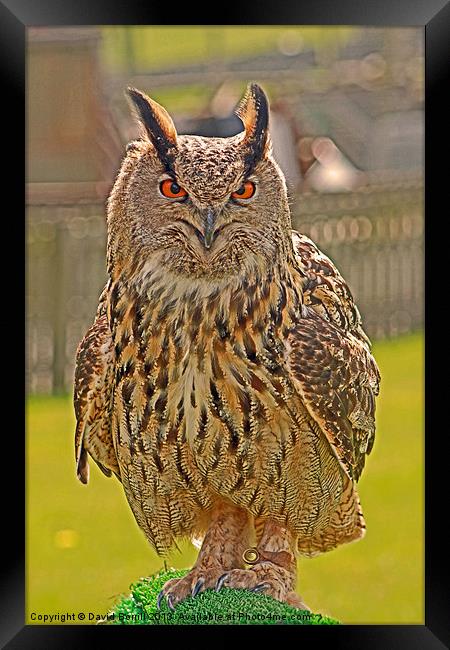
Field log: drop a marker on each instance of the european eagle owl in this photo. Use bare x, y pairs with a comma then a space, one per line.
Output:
226, 381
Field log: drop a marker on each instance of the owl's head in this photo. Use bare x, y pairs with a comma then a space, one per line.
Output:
199, 206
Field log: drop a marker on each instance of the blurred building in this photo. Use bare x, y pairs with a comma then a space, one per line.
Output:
367, 98
73, 145
73, 152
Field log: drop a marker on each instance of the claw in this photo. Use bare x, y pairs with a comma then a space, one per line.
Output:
220, 581
170, 603
160, 598
198, 585
260, 587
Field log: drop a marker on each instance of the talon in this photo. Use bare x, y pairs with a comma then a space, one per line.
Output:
198, 585
260, 587
160, 598
220, 581
170, 603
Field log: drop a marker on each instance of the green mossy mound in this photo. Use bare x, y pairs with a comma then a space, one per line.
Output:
228, 607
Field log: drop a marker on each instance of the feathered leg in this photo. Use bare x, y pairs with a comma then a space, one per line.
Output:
274, 570
227, 538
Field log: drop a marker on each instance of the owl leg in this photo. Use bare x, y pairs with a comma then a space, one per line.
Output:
274, 572
227, 538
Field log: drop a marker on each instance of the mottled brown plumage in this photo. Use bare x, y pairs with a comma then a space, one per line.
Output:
227, 380
94, 370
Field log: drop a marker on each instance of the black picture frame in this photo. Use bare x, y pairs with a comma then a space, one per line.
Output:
433, 15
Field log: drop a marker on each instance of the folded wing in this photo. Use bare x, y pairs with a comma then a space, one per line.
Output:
330, 360
94, 374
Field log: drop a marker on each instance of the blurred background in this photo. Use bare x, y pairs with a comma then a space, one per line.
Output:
347, 124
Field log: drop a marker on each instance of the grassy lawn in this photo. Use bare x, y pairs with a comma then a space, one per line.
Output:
84, 548
151, 48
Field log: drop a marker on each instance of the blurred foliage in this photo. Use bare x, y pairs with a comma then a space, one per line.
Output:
84, 548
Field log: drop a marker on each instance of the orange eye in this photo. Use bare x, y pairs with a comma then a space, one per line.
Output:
246, 191
171, 190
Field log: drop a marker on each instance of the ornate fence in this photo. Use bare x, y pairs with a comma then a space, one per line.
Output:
374, 235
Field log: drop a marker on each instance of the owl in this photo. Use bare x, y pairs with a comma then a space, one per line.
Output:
226, 380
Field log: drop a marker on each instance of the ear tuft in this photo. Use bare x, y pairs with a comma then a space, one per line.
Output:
253, 110
157, 123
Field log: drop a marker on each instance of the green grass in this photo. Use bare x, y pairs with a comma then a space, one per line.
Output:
229, 607
155, 47
84, 548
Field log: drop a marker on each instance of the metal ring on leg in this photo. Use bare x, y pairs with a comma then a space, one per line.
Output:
250, 555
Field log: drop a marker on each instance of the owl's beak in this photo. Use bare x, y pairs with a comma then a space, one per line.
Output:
209, 227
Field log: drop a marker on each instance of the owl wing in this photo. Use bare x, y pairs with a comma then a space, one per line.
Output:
325, 290
94, 374
330, 360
